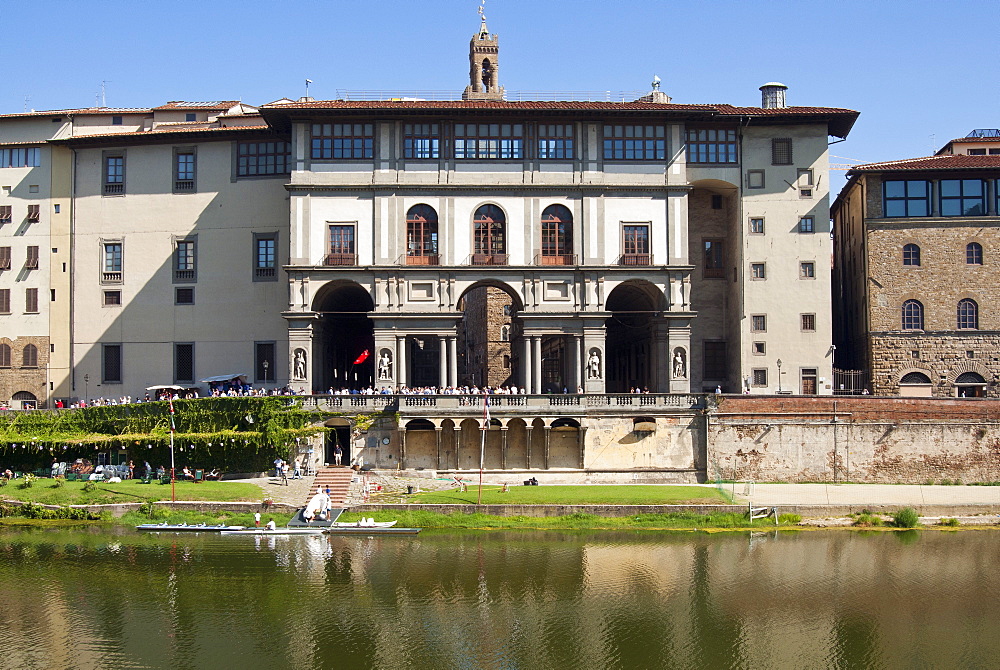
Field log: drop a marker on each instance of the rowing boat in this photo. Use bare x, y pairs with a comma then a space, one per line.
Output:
364, 523
184, 527
276, 531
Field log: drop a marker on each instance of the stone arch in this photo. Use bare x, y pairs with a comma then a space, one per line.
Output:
490, 310
630, 352
24, 400
342, 334
968, 366
421, 444
565, 437
517, 444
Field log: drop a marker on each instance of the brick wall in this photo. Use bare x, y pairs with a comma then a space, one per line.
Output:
18, 378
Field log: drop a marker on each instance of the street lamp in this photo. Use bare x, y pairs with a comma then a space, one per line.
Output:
86, 387
266, 365
779, 375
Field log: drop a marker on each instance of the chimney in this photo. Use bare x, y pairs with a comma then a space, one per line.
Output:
772, 95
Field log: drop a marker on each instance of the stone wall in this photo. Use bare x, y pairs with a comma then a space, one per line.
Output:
941, 356
854, 439
17, 378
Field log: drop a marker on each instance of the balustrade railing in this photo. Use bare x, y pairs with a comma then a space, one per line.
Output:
508, 403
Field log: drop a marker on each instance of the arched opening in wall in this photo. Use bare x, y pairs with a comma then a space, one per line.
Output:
487, 75
340, 435
421, 444
970, 385
565, 448
644, 425
915, 385
489, 336
631, 358
342, 336
24, 400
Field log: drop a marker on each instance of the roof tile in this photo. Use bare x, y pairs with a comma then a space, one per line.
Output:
942, 162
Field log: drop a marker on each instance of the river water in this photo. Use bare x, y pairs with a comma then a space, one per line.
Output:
114, 598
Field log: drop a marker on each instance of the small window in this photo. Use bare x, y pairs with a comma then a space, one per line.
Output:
911, 255
781, 151
114, 174
264, 370
4, 301
111, 364
758, 323
183, 362
759, 377
506, 361
4, 355
758, 271
31, 262
807, 322
112, 298
756, 226
913, 315
974, 253
715, 258
807, 270
184, 171
755, 179
34, 213
29, 356
915, 378
716, 201
112, 266
968, 314
116, 120
4, 258
265, 259
714, 353
970, 354
807, 224
185, 260
31, 300
506, 310
184, 296
342, 251
6, 214
759, 348
977, 152
190, 116
505, 334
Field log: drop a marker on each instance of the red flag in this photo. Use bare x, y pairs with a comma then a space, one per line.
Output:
362, 358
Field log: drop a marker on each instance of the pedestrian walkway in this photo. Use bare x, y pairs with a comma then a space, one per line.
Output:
864, 494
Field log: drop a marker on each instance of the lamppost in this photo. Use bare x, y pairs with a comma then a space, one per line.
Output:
86, 388
266, 365
779, 375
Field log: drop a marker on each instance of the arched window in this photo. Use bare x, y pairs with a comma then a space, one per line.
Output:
974, 253
421, 236
30, 357
4, 355
490, 228
505, 334
968, 314
970, 378
915, 378
913, 315
557, 236
911, 254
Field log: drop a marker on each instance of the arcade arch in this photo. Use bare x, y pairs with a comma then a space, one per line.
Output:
343, 334
488, 335
635, 307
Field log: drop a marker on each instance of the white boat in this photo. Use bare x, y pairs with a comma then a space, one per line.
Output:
276, 531
364, 523
197, 527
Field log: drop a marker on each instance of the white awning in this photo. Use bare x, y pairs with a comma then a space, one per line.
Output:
164, 387
222, 378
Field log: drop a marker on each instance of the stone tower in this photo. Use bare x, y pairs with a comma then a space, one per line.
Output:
484, 67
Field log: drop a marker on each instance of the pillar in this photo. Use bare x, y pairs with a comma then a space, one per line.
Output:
503, 447
594, 343
526, 366
442, 362
302, 364
437, 434
402, 375
663, 360
536, 345
577, 357
453, 361
583, 446
402, 447
527, 447
679, 336
548, 431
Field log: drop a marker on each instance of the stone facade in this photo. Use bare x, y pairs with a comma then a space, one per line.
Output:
18, 380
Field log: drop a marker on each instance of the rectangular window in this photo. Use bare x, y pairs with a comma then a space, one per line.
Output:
759, 377
757, 226
755, 179
190, 116
759, 348
807, 224
555, 141
715, 258
264, 370
184, 295
6, 214
635, 143
184, 171
807, 270
488, 141
183, 362
712, 145
265, 256
4, 258
635, 244
31, 262
34, 213
808, 323
112, 298
185, 268
116, 120
976, 152
781, 151
906, 198
114, 174
20, 157
257, 159
341, 246
112, 273
758, 271
421, 140
963, 197
342, 140
111, 364
758, 323
31, 300
715, 360
4, 301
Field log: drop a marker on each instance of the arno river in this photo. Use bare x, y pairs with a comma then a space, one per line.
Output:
113, 598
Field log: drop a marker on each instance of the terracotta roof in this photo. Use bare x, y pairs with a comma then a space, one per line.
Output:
143, 135
975, 140
942, 162
84, 110
182, 105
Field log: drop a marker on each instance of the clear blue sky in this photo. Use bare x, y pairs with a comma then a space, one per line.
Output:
919, 72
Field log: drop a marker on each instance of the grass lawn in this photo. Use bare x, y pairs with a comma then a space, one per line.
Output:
574, 495
44, 491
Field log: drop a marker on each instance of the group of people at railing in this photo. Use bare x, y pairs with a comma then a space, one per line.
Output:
431, 390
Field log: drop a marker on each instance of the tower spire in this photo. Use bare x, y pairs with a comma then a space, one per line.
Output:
484, 67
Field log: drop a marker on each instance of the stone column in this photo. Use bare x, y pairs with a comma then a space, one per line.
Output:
453, 361
583, 446
302, 366
437, 434
526, 366
663, 359
402, 446
402, 375
503, 447
386, 344
442, 362
536, 345
595, 372
527, 445
577, 356
548, 431
679, 335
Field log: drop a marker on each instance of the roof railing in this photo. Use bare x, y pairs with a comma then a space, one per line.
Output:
509, 96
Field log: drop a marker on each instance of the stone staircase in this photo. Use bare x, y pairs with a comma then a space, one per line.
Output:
338, 479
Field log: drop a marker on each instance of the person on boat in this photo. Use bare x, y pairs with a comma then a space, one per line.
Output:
256, 519
270, 525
